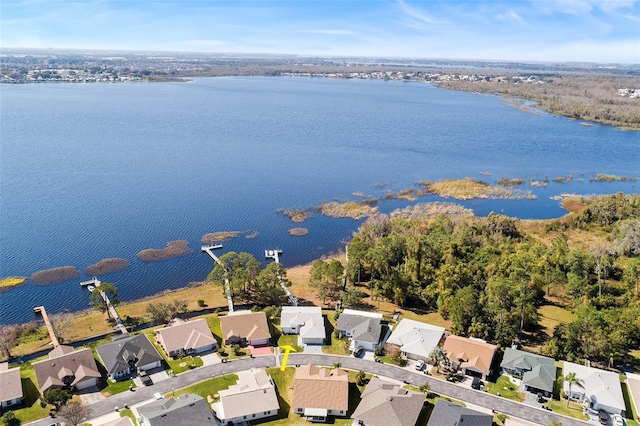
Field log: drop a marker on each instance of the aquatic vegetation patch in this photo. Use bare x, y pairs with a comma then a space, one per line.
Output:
174, 249
429, 210
296, 215
55, 275
601, 177
470, 188
563, 179
507, 181
539, 183
251, 235
410, 194
12, 281
298, 232
215, 237
351, 209
107, 266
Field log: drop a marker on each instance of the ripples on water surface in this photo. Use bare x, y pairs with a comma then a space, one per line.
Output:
106, 170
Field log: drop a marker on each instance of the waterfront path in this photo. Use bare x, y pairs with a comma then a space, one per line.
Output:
501, 405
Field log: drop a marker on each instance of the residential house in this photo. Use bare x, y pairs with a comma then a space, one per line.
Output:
253, 397
10, 386
189, 337
448, 413
320, 392
129, 355
184, 410
537, 372
471, 356
601, 390
67, 367
415, 339
122, 421
245, 327
364, 328
305, 321
387, 404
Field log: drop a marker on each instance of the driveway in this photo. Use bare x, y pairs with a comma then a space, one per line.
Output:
312, 349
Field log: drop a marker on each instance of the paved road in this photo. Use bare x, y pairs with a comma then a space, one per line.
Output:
182, 380
502, 405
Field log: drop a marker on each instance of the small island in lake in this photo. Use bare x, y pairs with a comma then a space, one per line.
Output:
215, 237
351, 209
12, 281
107, 266
298, 232
296, 215
55, 275
174, 249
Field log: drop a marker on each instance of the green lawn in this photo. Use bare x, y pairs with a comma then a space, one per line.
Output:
208, 387
574, 410
31, 409
504, 388
334, 346
552, 315
128, 413
284, 385
289, 339
630, 409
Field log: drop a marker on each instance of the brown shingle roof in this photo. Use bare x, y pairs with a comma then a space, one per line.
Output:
316, 387
250, 326
186, 335
469, 353
10, 383
63, 361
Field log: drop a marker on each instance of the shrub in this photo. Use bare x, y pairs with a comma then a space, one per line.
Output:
201, 303
9, 419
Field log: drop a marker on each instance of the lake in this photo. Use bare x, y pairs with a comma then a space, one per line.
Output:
92, 171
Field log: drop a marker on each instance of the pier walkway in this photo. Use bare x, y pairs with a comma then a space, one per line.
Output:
92, 285
54, 339
227, 288
275, 255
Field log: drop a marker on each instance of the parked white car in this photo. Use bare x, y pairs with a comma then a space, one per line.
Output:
617, 420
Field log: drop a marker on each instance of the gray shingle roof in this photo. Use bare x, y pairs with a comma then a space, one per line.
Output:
362, 328
115, 355
184, 410
539, 371
387, 404
449, 414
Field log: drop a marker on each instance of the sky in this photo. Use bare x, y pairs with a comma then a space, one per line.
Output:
604, 31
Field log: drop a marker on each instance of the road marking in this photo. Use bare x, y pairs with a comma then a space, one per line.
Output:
287, 349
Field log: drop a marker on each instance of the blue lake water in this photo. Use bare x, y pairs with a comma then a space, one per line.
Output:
91, 171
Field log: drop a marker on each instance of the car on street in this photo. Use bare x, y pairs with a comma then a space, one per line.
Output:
420, 365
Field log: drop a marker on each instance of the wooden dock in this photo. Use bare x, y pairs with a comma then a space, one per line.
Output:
275, 255
94, 284
227, 287
42, 311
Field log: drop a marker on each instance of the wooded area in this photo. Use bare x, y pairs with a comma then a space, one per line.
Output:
488, 276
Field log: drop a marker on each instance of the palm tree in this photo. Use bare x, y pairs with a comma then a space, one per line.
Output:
573, 380
436, 356
425, 387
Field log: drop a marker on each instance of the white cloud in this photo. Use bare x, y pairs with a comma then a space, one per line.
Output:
330, 32
418, 18
510, 16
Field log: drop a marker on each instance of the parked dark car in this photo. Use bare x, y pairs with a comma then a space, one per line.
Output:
477, 383
144, 377
540, 398
357, 351
603, 417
